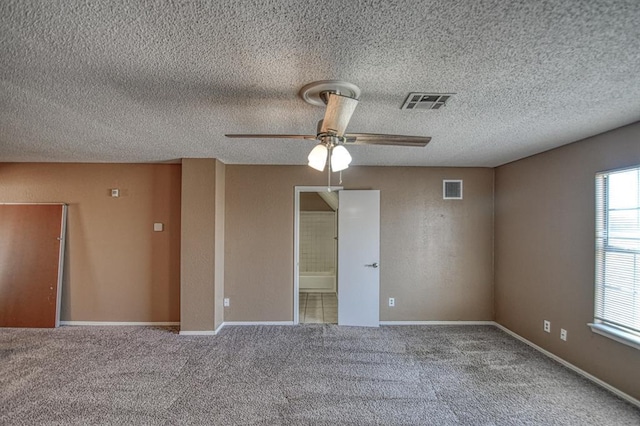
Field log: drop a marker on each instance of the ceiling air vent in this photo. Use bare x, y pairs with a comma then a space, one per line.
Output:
452, 189
426, 101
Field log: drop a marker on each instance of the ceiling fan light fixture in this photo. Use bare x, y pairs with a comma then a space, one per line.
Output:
340, 158
318, 157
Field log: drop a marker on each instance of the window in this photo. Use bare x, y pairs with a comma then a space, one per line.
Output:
617, 292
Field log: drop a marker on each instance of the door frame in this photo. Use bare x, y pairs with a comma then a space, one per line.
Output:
296, 242
63, 243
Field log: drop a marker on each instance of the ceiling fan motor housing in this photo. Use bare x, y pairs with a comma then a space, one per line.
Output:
317, 93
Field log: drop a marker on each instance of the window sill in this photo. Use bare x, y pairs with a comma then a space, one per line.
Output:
616, 334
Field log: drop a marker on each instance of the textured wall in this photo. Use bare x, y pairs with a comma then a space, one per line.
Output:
436, 256
200, 196
545, 242
312, 202
219, 243
116, 268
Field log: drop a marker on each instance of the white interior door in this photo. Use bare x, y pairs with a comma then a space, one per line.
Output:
359, 258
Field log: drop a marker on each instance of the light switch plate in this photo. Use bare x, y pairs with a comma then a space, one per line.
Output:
158, 227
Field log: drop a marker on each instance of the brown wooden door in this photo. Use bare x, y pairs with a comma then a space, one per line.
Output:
29, 264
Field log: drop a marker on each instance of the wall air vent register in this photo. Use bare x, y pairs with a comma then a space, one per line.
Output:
452, 189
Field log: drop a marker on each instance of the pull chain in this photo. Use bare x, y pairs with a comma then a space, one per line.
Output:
329, 169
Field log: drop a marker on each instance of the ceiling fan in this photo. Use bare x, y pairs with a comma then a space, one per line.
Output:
340, 99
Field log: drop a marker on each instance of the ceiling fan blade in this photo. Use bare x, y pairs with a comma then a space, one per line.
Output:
378, 139
338, 113
264, 136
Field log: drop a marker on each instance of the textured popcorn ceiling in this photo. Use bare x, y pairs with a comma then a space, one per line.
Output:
133, 81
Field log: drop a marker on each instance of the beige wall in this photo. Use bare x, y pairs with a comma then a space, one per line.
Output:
219, 244
544, 246
117, 268
202, 244
436, 256
312, 202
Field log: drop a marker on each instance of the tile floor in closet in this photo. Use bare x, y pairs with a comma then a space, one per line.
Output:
318, 308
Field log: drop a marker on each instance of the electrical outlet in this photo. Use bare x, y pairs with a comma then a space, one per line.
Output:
547, 326
225, 302
392, 301
563, 334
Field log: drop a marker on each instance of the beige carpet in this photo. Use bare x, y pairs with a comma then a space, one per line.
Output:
311, 374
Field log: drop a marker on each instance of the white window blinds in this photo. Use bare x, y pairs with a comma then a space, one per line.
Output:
617, 296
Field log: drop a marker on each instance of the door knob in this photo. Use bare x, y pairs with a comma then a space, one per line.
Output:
373, 265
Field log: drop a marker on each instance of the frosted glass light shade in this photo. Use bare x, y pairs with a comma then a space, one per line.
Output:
318, 157
340, 158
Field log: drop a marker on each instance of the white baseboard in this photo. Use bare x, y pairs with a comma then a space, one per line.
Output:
199, 333
118, 323
226, 323
567, 364
202, 332
437, 323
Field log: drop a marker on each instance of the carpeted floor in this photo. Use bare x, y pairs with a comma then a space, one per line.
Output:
276, 375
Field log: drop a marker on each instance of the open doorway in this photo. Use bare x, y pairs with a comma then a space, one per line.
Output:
315, 275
